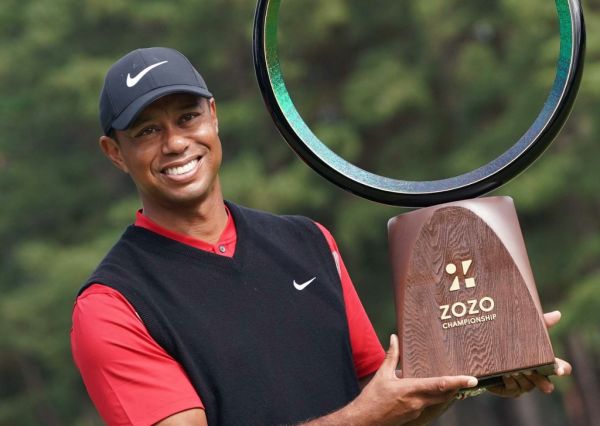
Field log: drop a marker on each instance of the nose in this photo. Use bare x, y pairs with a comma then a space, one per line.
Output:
175, 142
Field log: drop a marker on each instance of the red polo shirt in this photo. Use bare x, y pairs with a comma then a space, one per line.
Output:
133, 381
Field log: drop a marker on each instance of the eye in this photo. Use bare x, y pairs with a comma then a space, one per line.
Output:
187, 117
147, 131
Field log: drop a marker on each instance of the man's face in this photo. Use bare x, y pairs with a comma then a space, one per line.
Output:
172, 151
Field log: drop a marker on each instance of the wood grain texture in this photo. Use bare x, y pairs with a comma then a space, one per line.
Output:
515, 339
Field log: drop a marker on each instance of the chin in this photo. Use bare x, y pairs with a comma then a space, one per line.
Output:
188, 197
183, 196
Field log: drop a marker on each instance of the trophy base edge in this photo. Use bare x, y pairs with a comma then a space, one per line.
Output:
496, 379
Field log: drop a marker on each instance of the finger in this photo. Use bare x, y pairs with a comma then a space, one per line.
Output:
442, 385
391, 357
439, 398
541, 382
510, 384
562, 367
525, 385
502, 391
432, 397
552, 318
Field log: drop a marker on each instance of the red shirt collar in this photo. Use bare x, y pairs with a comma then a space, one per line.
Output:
225, 246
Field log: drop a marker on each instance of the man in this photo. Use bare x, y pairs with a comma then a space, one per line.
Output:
206, 312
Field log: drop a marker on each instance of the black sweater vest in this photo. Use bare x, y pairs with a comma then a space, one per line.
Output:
257, 350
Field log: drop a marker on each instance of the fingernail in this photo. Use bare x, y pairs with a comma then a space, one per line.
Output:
472, 382
560, 371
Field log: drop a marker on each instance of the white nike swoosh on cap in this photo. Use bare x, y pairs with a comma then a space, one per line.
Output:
135, 80
303, 285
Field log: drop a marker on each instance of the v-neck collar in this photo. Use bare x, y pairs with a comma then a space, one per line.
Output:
228, 237
233, 236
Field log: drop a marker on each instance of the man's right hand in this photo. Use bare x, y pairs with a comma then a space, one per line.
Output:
388, 399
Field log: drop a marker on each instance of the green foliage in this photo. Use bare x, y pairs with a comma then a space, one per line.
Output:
414, 90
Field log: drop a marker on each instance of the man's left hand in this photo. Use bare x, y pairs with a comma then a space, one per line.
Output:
520, 383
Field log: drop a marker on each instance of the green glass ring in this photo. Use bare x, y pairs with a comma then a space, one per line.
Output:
420, 193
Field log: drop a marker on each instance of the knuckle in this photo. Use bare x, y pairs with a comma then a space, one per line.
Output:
416, 405
442, 385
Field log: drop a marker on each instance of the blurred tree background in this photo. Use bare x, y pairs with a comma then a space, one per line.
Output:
413, 89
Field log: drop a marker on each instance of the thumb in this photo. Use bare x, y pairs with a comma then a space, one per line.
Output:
391, 357
552, 318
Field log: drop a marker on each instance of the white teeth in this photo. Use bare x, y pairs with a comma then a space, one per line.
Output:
174, 171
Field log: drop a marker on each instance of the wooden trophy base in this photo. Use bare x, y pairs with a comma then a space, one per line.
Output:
466, 300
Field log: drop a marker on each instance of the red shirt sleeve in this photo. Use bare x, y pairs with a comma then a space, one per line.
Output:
129, 377
367, 351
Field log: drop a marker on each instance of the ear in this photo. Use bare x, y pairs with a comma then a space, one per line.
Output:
213, 113
112, 150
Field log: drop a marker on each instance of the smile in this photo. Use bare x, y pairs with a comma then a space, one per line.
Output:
181, 170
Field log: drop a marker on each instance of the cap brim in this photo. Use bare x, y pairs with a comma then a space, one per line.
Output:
128, 116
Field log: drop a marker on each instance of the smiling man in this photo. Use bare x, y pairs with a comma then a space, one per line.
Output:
206, 312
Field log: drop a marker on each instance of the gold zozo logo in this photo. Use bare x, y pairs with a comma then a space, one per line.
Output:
451, 270
466, 312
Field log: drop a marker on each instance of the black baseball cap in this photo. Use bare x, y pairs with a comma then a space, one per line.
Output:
139, 78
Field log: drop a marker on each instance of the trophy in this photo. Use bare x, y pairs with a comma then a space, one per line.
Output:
466, 300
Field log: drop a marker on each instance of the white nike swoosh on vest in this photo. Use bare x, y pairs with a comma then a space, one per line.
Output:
132, 81
303, 285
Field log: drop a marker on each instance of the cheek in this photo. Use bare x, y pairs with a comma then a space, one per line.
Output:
218, 152
139, 163
207, 133
208, 136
